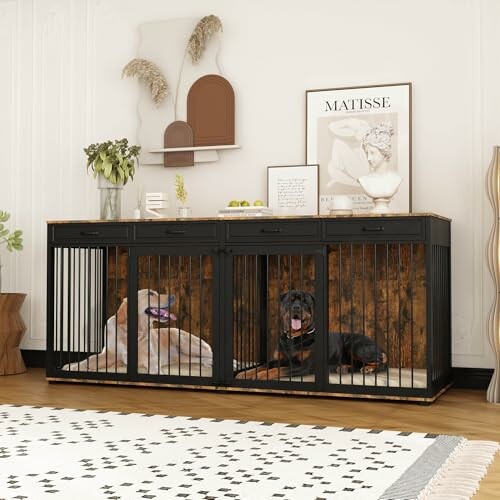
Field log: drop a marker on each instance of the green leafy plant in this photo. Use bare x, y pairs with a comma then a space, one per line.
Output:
115, 161
180, 189
12, 239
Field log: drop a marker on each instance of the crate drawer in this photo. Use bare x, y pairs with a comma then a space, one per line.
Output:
276, 231
379, 228
173, 231
90, 233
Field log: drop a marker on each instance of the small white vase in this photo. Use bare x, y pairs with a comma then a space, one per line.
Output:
183, 212
110, 198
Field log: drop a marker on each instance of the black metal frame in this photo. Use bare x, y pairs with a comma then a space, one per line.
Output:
225, 239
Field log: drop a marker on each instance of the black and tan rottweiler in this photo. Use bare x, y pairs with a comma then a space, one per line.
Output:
347, 352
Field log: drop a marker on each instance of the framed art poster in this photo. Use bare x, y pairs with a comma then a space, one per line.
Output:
355, 131
293, 189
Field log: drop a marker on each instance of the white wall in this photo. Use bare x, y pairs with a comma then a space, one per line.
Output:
60, 89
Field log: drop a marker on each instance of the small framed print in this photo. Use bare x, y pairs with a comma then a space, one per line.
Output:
293, 189
354, 131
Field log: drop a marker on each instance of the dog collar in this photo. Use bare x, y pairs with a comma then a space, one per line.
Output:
305, 339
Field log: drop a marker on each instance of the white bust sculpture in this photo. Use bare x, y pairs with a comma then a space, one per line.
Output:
382, 182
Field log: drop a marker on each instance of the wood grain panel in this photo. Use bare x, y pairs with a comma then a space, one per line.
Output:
188, 278
379, 290
210, 111
178, 134
258, 282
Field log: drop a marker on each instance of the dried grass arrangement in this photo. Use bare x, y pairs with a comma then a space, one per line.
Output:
151, 75
203, 31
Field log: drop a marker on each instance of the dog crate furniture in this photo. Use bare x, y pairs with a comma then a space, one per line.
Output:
198, 303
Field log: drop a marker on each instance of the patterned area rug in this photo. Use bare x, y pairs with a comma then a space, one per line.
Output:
61, 453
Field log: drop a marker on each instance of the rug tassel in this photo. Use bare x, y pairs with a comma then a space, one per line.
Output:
458, 478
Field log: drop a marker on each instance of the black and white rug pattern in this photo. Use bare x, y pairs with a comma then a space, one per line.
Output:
62, 453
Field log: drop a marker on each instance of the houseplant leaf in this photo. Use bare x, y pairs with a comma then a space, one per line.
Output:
12, 239
107, 168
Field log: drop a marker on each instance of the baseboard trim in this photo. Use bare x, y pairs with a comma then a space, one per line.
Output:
472, 378
464, 378
33, 358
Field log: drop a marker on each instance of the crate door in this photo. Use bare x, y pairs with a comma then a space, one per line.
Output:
87, 289
175, 314
377, 317
273, 316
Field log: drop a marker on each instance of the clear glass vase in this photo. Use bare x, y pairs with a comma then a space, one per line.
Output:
183, 212
110, 200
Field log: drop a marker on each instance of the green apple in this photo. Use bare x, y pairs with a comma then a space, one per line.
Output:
233, 203
244, 203
258, 203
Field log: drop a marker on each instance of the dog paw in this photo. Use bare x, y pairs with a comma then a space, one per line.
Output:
368, 370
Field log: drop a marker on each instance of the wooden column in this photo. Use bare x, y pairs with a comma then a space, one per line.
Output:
12, 328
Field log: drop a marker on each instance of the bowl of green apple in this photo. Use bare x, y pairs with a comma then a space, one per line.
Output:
244, 203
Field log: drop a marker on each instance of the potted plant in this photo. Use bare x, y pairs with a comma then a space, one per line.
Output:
113, 162
12, 326
181, 194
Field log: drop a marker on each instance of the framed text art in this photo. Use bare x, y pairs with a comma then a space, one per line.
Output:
293, 189
355, 131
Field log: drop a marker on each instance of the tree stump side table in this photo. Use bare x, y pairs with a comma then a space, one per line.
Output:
12, 328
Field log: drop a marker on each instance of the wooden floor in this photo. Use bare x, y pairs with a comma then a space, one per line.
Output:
462, 412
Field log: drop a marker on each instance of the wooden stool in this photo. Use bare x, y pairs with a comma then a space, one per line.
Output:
12, 328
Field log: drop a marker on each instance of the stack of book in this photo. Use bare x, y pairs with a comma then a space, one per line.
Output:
252, 211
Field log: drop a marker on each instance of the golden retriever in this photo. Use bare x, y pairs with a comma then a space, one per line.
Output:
161, 350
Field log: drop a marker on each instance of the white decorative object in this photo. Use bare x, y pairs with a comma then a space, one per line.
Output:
163, 42
155, 202
196, 149
493, 249
138, 208
251, 211
183, 212
341, 204
293, 189
381, 187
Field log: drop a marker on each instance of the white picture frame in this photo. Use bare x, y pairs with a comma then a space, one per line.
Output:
338, 120
293, 189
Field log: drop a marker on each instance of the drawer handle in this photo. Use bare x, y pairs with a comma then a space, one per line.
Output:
89, 233
376, 229
273, 230
175, 231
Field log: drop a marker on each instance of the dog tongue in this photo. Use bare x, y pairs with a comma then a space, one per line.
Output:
296, 324
161, 313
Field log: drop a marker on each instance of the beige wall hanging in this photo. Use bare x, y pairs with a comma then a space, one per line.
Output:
172, 56
493, 254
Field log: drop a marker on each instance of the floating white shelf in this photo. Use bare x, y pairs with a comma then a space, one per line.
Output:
194, 148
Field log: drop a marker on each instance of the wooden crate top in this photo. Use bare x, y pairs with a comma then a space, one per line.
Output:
271, 217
